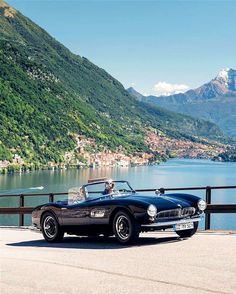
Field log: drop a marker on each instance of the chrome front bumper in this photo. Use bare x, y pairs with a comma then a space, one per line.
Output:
171, 223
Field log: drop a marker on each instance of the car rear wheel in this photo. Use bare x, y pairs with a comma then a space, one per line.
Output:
188, 233
125, 228
51, 229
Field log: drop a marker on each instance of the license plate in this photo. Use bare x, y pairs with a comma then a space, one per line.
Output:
186, 226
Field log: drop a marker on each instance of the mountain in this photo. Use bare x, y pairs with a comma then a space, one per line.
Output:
50, 96
214, 101
135, 94
223, 84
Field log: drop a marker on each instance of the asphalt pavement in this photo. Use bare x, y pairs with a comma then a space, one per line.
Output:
159, 263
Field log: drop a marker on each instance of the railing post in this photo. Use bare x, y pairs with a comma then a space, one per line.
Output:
208, 214
51, 197
21, 215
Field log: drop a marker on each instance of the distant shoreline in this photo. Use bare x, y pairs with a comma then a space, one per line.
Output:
68, 167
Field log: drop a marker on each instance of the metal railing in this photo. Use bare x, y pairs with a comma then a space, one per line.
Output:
211, 208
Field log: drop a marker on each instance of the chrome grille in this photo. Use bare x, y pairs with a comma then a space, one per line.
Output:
187, 211
176, 213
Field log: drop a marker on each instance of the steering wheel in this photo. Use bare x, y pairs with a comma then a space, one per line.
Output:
123, 190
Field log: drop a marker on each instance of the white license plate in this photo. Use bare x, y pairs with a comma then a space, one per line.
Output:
186, 226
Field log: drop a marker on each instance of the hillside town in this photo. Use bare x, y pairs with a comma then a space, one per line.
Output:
88, 154
158, 142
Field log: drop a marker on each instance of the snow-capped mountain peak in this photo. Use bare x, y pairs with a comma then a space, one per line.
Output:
223, 74
224, 84
227, 79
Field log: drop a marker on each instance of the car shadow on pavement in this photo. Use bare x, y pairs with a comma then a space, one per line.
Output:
95, 243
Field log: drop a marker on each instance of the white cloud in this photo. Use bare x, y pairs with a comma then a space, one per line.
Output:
164, 88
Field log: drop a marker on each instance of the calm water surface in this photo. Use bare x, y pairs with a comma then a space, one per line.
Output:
174, 173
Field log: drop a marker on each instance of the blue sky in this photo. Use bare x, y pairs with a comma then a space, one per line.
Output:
168, 43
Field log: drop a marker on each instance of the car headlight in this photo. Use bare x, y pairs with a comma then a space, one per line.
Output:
152, 210
202, 205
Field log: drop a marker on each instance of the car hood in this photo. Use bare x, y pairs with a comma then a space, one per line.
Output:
162, 202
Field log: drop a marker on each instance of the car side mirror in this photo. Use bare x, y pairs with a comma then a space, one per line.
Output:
160, 191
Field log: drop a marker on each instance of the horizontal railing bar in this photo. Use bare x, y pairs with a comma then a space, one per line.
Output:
33, 194
138, 190
189, 188
16, 210
170, 189
221, 208
221, 187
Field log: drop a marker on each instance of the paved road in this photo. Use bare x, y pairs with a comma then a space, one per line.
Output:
160, 263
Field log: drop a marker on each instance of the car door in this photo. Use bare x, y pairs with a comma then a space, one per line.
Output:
85, 207
75, 214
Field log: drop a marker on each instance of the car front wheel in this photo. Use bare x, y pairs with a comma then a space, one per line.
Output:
188, 233
51, 229
125, 228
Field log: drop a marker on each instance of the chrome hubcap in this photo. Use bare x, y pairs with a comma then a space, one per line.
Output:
122, 227
50, 227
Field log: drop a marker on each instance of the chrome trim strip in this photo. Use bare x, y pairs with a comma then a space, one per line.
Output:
171, 223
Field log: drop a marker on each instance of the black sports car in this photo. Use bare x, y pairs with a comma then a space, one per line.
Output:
107, 207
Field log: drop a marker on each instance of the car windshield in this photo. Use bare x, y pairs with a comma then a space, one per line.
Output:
98, 189
76, 195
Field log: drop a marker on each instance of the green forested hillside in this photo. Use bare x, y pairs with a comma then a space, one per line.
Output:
48, 94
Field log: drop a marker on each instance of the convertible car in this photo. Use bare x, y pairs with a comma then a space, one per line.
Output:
109, 207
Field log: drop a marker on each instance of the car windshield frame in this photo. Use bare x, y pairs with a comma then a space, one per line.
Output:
100, 193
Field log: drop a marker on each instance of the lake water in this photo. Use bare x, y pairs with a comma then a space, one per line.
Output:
173, 173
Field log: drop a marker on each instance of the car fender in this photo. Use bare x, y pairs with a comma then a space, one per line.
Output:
50, 209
